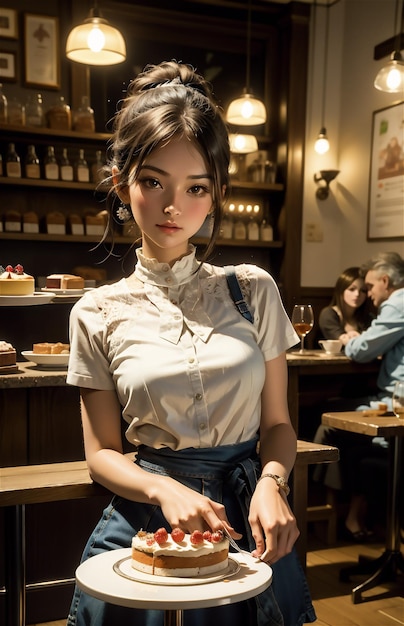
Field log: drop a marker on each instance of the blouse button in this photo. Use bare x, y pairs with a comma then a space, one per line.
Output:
169, 280
174, 302
191, 360
202, 426
198, 397
166, 268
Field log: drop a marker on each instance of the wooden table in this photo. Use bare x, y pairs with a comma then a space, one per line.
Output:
315, 376
391, 561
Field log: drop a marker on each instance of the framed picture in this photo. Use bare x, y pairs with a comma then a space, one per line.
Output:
42, 61
386, 184
8, 67
8, 23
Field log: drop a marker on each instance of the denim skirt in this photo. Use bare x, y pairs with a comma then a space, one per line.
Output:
226, 474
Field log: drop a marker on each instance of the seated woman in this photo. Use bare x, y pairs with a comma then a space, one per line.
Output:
350, 311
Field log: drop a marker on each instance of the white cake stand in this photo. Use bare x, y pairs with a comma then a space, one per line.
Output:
100, 578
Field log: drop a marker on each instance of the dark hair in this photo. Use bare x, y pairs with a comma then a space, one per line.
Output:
389, 263
166, 101
364, 313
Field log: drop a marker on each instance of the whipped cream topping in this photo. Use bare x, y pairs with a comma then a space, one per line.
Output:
182, 549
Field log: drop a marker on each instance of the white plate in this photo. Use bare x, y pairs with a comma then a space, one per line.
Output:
47, 360
124, 568
36, 298
63, 292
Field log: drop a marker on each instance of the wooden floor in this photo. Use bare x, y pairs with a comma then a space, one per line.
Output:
332, 599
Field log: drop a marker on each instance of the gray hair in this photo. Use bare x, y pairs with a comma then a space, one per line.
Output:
389, 263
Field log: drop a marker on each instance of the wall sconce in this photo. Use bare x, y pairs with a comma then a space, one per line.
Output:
95, 41
242, 144
324, 177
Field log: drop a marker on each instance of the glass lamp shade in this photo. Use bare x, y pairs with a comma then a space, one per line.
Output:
391, 77
322, 145
246, 111
242, 144
96, 42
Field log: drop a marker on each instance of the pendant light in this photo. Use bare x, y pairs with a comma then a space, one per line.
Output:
242, 144
95, 41
247, 110
391, 77
322, 144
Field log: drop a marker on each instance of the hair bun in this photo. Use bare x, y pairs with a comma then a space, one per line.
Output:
170, 73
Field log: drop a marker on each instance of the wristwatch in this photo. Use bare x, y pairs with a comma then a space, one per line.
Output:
280, 481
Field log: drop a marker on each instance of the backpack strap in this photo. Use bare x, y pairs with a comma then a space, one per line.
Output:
235, 292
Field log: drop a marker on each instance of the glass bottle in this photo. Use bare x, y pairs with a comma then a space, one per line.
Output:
16, 113
3, 106
59, 116
66, 168
240, 231
32, 167
51, 166
253, 230
83, 117
34, 115
266, 231
97, 168
13, 162
82, 169
226, 229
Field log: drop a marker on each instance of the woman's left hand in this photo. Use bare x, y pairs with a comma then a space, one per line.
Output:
272, 522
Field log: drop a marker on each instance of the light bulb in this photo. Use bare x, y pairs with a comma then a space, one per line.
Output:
96, 39
393, 79
322, 144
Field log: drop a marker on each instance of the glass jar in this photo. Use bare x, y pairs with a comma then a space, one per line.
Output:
59, 116
34, 114
16, 113
83, 117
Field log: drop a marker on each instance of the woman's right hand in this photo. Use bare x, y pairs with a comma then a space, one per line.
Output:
190, 510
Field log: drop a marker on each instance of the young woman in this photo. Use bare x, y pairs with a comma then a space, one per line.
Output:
350, 311
167, 350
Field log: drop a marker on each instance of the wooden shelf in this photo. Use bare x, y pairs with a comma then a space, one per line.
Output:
22, 131
202, 241
48, 184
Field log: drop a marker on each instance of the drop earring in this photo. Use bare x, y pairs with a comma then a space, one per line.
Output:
122, 214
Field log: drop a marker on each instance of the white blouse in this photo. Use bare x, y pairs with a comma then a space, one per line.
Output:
188, 369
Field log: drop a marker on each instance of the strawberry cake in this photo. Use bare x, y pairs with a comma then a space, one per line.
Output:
15, 282
179, 554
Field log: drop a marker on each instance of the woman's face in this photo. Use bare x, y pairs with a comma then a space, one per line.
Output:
170, 199
355, 295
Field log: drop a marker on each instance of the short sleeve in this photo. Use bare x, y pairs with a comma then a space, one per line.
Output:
275, 330
88, 363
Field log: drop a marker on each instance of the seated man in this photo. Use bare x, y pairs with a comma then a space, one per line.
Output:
384, 279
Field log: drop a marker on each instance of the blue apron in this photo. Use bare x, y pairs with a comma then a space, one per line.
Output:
226, 474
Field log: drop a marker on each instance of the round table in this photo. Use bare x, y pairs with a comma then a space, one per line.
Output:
98, 578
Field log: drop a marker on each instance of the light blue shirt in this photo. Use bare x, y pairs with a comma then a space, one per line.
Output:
385, 338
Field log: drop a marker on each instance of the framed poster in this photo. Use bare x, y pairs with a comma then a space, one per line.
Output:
7, 67
42, 62
386, 184
8, 23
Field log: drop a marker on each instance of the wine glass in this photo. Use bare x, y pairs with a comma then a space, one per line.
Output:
303, 321
398, 399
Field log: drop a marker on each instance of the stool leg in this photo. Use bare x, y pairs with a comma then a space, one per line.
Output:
15, 565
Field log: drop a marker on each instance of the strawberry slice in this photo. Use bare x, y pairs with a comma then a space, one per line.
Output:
217, 536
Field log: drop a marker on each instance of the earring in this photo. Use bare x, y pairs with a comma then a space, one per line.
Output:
122, 214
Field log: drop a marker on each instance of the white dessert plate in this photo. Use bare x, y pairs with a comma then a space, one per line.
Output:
63, 292
36, 298
124, 568
46, 360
